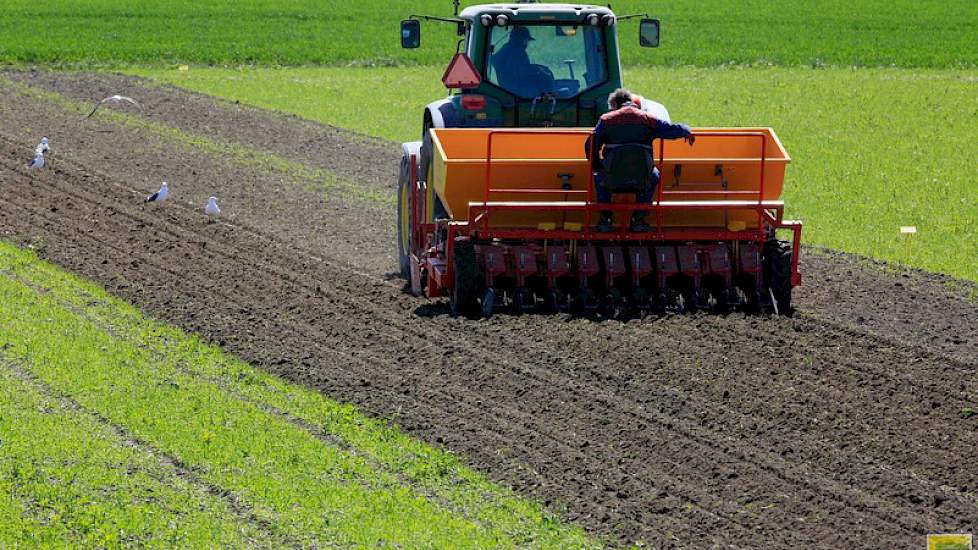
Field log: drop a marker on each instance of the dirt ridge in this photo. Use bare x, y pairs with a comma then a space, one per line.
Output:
689, 430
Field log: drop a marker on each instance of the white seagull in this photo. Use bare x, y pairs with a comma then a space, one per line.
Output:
160, 195
42, 147
115, 99
211, 209
38, 161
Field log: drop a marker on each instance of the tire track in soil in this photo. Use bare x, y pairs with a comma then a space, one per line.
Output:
507, 328
212, 247
238, 509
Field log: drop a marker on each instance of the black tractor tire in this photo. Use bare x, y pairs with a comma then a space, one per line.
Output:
464, 298
404, 198
777, 273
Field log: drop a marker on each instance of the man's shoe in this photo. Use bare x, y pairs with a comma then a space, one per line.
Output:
639, 225
604, 224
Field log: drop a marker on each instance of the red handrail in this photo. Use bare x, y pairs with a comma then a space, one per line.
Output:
488, 190
488, 186
761, 135
760, 188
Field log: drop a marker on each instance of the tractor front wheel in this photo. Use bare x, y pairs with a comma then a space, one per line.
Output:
404, 198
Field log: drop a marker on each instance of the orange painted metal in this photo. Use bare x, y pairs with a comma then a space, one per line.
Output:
509, 184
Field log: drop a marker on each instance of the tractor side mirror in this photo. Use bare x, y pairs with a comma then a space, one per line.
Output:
648, 33
410, 33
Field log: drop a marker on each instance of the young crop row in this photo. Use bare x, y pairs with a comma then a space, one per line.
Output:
121, 431
299, 32
872, 149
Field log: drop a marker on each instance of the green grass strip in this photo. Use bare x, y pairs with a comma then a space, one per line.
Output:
18, 529
298, 484
69, 480
309, 178
492, 515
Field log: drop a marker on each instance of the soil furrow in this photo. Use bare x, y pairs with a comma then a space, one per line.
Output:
474, 407
839, 426
169, 462
667, 424
860, 292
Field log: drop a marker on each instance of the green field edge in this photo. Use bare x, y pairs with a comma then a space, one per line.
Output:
495, 510
70, 479
386, 63
92, 33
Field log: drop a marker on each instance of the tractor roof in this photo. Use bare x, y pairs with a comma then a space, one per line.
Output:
534, 11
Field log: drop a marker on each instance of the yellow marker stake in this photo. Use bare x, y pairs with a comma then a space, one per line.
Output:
949, 541
908, 231
184, 70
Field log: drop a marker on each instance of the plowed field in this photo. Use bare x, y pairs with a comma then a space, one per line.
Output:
844, 425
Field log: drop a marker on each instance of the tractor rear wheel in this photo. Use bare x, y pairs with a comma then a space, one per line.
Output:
777, 273
464, 299
404, 197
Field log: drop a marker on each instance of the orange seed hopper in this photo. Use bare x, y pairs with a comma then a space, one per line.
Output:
510, 214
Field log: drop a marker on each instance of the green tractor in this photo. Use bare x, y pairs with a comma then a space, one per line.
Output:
517, 65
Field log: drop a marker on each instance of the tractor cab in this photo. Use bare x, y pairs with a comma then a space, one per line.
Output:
537, 65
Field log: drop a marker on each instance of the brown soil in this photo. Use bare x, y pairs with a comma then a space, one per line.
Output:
840, 426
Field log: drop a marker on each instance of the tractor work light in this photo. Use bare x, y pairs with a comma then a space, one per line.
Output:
608, 20
486, 20
502, 20
473, 102
593, 19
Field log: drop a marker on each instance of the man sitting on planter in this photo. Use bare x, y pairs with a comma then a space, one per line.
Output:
623, 160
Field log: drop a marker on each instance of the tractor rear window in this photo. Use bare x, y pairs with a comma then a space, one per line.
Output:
533, 60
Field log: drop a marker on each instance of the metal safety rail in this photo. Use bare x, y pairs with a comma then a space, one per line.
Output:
769, 213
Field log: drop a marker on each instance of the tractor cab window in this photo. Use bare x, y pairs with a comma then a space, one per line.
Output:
532, 60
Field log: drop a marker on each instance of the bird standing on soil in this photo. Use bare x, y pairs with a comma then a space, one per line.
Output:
115, 99
42, 147
211, 209
160, 195
38, 161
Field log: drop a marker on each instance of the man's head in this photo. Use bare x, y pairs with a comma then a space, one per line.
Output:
520, 35
618, 98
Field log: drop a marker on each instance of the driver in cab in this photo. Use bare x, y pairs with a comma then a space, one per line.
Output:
513, 67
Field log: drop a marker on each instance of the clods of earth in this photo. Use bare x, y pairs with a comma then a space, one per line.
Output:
839, 426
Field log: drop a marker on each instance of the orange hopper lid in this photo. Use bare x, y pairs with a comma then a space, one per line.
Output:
461, 73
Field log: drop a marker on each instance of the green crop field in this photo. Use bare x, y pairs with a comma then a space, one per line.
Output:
872, 149
165, 441
295, 32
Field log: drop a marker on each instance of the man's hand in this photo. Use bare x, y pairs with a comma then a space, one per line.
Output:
690, 139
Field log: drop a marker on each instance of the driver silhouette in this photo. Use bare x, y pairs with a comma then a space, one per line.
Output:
515, 72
